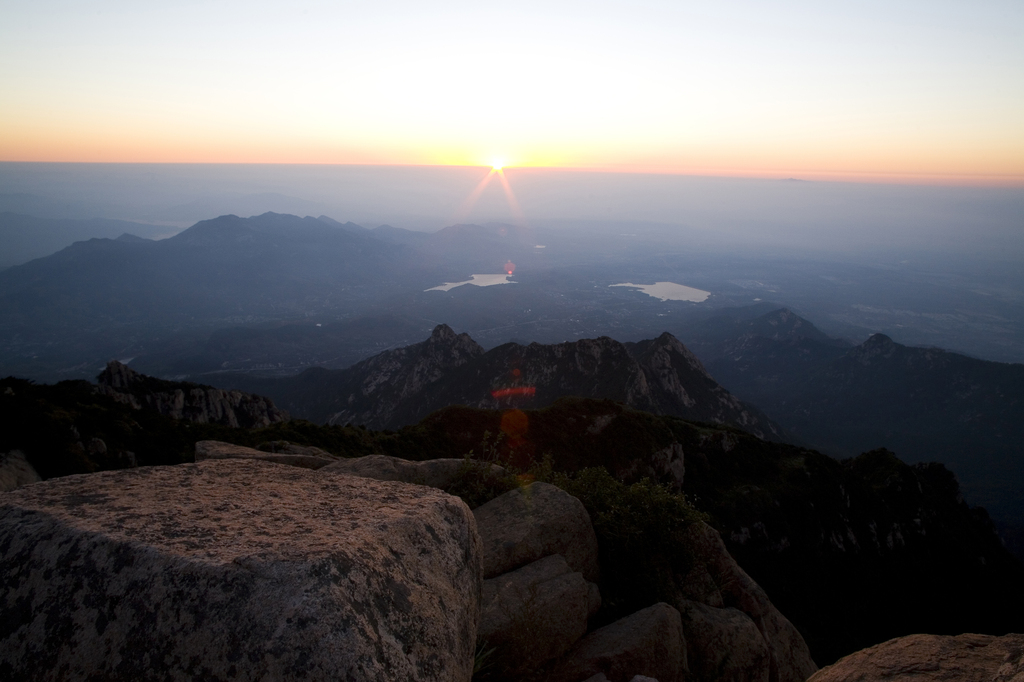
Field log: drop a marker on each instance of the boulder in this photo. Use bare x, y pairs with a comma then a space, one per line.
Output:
532, 522
16, 471
283, 447
533, 614
236, 569
215, 449
723, 644
649, 642
436, 473
922, 658
728, 585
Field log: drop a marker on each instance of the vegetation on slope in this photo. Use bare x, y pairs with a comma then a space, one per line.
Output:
853, 552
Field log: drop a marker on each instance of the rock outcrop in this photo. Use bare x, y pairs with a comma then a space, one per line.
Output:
724, 606
15, 471
436, 473
926, 658
191, 402
724, 644
535, 613
214, 449
234, 569
533, 522
648, 643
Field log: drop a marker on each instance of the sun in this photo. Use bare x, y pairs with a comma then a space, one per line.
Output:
497, 164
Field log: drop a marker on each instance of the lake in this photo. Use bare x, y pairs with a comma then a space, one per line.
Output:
476, 280
669, 291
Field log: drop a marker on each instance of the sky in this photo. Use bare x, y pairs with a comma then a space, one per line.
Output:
907, 91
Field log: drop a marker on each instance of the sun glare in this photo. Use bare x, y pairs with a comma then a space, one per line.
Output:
497, 164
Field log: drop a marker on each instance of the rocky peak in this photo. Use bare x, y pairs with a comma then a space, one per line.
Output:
877, 346
443, 335
667, 354
117, 375
191, 402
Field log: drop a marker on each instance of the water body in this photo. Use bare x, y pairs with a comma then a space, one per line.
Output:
669, 291
476, 280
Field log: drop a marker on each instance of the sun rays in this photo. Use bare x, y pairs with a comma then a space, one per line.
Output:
497, 165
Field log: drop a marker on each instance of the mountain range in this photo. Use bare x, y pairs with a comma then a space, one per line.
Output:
925, 404
400, 387
26, 237
276, 293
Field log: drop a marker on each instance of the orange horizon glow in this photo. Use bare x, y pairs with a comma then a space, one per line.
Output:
972, 174
849, 93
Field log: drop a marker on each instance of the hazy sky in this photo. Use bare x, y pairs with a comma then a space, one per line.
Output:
913, 90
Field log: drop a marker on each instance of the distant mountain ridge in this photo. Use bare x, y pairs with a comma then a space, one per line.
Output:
27, 237
401, 386
925, 404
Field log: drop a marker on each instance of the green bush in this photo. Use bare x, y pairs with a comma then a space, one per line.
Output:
639, 530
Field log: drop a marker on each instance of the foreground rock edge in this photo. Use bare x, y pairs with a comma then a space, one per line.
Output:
312, 576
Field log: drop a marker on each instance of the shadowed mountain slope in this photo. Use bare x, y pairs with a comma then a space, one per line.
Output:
925, 404
853, 552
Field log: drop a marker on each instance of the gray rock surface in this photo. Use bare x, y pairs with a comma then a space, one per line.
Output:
648, 642
532, 522
723, 644
215, 449
16, 471
236, 569
437, 473
283, 447
534, 614
719, 581
190, 402
924, 658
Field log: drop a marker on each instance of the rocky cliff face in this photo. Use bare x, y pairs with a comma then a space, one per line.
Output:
402, 386
190, 402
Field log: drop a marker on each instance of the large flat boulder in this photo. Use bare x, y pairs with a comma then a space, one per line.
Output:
648, 642
436, 473
533, 522
534, 614
932, 658
236, 569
